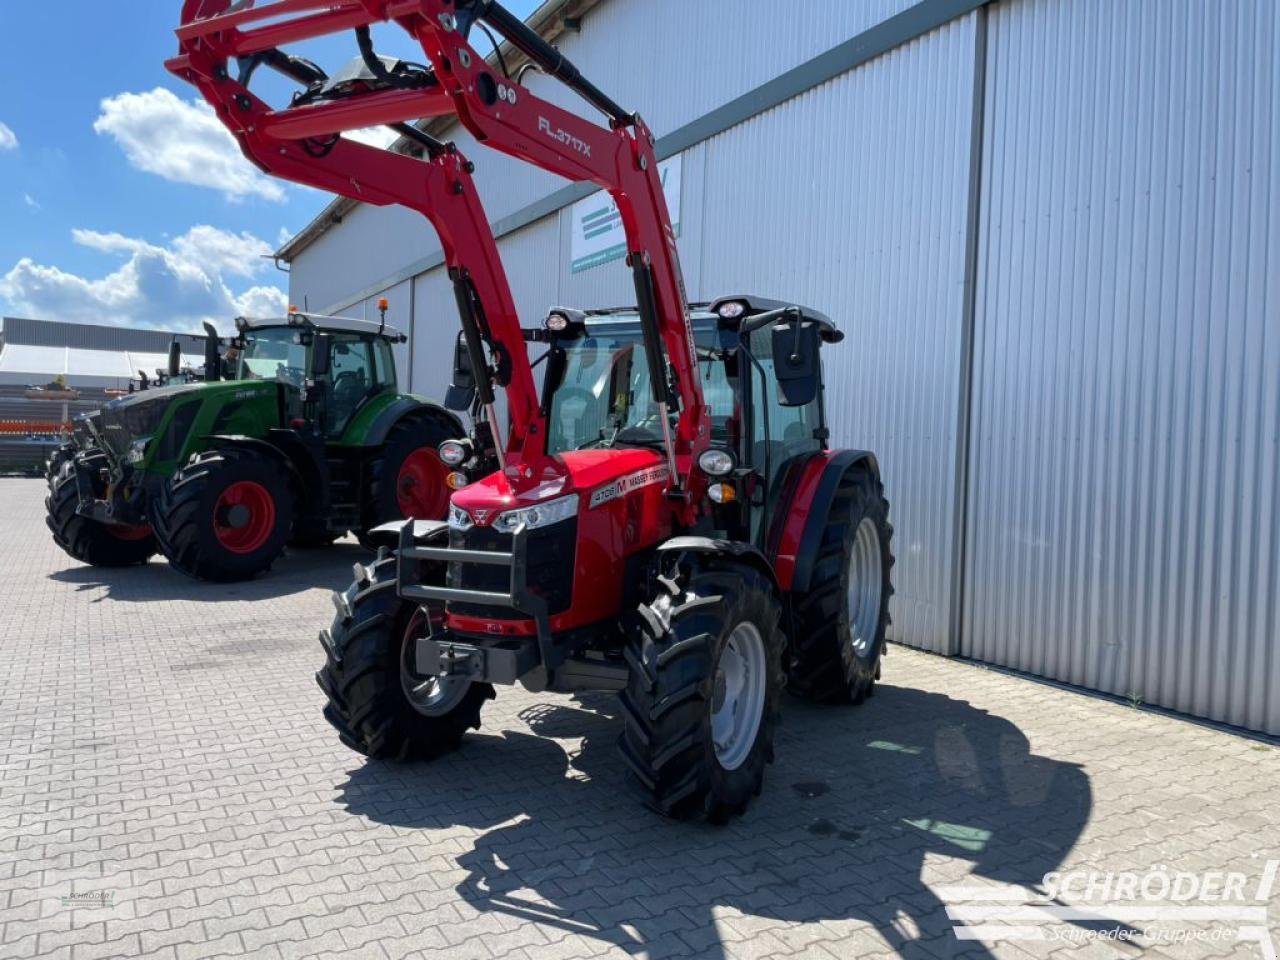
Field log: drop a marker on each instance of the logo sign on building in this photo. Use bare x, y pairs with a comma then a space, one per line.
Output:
598, 236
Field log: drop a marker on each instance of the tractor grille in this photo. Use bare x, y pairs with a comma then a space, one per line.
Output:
551, 556
123, 421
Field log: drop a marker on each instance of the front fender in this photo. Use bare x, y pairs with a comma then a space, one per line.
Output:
388, 534
804, 517
709, 546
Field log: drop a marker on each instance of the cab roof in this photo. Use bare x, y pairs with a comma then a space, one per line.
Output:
321, 322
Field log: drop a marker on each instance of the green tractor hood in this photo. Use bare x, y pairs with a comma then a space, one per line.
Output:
154, 429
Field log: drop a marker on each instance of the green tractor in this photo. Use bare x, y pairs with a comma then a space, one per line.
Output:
298, 434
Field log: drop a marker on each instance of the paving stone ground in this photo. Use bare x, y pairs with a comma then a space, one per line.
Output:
169, 789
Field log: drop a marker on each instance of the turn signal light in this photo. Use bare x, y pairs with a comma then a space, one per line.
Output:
722, 493
456, 480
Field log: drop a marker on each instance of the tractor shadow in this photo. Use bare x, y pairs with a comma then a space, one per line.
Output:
856, 801
297, 571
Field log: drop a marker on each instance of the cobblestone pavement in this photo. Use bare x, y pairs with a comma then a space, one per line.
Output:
168, 789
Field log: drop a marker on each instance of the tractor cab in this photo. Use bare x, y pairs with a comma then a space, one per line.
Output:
329, 367
596, 388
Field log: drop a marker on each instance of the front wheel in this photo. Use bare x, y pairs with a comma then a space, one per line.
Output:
701, 700
841, 621
85, 538
377, 701
226, 515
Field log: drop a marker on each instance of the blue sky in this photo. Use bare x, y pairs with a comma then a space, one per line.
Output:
121, 201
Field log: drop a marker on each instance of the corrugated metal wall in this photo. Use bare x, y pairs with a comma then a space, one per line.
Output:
1124, 507
615, 48
867, 222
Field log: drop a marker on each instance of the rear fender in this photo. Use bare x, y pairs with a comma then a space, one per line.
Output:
404, 407
804, 516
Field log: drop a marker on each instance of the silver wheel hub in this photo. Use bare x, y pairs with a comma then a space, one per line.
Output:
866, 582
738, 695
431, 696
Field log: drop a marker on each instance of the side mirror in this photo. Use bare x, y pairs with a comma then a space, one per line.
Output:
795, 361
462, 391
175, 358
321, 351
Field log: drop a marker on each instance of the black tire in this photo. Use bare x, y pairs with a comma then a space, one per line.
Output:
196, 543
828, 663
84, 538
362, 675
63, 453
673, 652
411, 434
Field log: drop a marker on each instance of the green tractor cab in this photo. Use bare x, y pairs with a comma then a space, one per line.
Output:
297, 433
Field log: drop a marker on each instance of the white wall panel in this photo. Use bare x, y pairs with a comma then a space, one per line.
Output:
867, 223
1124, 491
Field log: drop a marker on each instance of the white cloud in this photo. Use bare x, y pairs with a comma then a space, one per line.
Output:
8, 139
182, 141
174, 287
31, 201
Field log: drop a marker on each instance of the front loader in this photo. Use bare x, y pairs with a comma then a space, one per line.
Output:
666, 519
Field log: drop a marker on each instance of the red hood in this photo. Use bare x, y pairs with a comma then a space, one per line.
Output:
579, 471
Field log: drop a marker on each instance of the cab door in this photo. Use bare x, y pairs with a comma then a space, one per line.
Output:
353, 379
781, 436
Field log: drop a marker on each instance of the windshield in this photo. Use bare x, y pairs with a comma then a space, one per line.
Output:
273, 354
604, 398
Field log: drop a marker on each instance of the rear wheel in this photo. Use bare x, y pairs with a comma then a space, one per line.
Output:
226, 515
85, 538
701, 700
378, 702
841, 621
408, 478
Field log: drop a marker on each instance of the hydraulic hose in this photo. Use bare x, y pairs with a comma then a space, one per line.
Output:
551, 60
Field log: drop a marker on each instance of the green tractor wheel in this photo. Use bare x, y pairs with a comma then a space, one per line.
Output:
84, 538
63, 453
409, 480
226, 515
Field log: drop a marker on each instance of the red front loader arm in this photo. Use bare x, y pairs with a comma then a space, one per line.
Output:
219, 39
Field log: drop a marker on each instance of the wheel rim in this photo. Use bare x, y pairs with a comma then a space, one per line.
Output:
431, 696
421, 492
244, 516
737, 704
866, 577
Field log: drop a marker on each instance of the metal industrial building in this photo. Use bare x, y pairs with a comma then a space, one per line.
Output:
1051, 229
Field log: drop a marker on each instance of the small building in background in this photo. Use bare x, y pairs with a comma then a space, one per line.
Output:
92, 362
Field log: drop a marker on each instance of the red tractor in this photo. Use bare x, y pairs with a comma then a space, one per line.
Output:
667, 520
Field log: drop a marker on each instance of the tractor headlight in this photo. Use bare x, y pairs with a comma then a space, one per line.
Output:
539, 515
459, 519
454, 452
716, 463
137, 450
